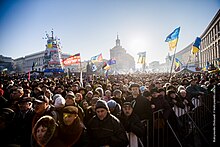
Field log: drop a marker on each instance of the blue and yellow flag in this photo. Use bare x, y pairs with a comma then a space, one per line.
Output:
142, 57
196, 45
172, 38
177, 64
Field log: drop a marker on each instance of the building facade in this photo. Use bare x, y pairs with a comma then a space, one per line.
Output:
124, 61
210, 44
6, 63
32, 62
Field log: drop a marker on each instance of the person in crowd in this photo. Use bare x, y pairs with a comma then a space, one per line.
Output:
158, 102
82, 91
88, 87
41, 108
15, 97
100, 91
70, 98
186, 100
27, 93
90, 111
72, 131
59, 102
84, 104
96, 94
6, 129
107, 96
89, 96
45, 133
49, 94
141, 107
117, 96
36, 92
22, 123
114, 108
104, 129
132, 124
174, 100
70, 101
78, 98
194, 90
75, 88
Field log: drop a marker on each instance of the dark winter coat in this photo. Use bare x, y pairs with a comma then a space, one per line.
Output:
132, 124
106, 132
142, 107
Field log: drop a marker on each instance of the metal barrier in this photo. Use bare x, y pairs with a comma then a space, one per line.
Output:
189, 122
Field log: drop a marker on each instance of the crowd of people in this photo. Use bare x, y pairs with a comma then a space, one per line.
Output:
113, 112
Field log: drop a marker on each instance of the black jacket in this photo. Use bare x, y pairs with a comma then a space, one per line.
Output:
142, 107
106, 132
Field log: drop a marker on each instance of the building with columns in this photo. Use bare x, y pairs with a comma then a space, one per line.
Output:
124, 61
210, 44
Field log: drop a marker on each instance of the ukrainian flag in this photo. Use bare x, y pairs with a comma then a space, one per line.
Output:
142, 57
177, 64
172, 38
196, 45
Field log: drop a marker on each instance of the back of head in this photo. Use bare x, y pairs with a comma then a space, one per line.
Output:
111, 104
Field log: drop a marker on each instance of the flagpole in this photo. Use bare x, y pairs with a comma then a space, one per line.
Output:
173, 61
81, 80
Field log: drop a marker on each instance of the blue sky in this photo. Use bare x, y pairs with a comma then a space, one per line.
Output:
90, 27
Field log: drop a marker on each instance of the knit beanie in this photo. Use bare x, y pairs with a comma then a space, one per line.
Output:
101, 104
111, 104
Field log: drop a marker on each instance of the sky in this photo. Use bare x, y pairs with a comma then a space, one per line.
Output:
90, 27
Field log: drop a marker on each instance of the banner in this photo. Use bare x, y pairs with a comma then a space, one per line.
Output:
75, 59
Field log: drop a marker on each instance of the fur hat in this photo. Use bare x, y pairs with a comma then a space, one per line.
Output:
70, 109
101, 104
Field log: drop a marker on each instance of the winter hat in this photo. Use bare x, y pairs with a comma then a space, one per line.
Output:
129, 104
70, 93
146, 93
94, 100
25, 99
70, 109
101, 104
59, 101
134, 85
7, 114
111, 104
41, 99
142, 89
153, 90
